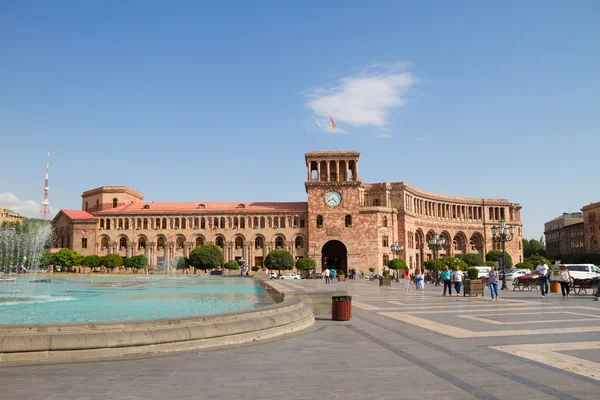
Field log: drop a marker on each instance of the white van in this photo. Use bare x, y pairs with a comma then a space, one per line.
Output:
484, 271
578, 271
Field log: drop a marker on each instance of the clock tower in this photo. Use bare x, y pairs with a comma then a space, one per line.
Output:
335, 196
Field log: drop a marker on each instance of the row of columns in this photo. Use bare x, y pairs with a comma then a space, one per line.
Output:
337, 171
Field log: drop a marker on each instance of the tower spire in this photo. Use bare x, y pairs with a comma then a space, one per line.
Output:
45, 210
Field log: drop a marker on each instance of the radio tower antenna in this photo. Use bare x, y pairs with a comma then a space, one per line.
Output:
45, 210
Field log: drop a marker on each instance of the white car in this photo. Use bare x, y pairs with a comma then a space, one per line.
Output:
290, 275
577, 271
273, 275
510, 276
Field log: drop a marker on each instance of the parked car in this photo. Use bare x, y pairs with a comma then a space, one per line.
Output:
319, 275
577, 271
217, 272
290, 275
517, 274
483, 271
273, 275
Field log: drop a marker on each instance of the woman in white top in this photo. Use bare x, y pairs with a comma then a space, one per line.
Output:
565, 280
457, 278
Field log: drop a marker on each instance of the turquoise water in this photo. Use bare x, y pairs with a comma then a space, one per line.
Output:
111, 298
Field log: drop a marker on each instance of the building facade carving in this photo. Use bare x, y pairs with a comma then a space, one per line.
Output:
345, 223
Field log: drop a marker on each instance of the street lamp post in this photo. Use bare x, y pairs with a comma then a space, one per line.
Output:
503, 233
436, 243
396, 250
314, 247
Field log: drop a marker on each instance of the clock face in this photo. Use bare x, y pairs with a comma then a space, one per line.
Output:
333, 199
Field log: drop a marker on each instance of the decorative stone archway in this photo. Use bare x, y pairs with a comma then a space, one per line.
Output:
334, 255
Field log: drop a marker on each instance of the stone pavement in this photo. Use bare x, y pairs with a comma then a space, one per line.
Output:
398, 345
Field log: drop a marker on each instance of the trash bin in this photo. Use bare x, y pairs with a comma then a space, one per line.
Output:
554, 287
341, 308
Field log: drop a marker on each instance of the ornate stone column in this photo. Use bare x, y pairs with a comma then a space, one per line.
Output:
337, 170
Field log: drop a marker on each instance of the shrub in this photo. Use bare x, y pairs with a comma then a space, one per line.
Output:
473, 273
255, 268
489, 263
112, 260
471, 259
536, 260
496, 255
182, 263
92, 261
67, 258
137, 262
371, 270
386, 272
232, 265
205, 257
524, 265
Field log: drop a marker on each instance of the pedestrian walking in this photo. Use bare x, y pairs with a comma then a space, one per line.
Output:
418, 279
457, 278
333, 275
406, 277
327, 275
494, 283
447, 278
542, 269
564, 279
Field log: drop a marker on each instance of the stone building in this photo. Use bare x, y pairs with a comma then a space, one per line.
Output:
345, 223
564, 236
591, 227
7, 215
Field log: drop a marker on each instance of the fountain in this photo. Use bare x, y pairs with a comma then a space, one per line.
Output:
21, 250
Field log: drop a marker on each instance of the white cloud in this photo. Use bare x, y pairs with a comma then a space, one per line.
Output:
29, 208
384, 135
362, 100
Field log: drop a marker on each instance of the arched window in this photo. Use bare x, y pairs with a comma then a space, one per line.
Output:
146, 207
201, 206
255, 223
243, 222
203, 223
239, 242
282, 222
115, 202
276, 223
108, 224
122, 243
258, 243
196, 223
180, 243
145, 225
222, 222
296, 220
101, 224
104, 243
219, 241
319, 221
262, 222
236, 223
348, 221
241, 206
164, 223
299, 242
384, 222
126, 223
160, 243
215, 223
176, 223
183, 223
279, 242
141, 243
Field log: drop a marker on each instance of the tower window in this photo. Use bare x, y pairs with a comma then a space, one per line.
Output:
385, 241
348, 221
115, 202
384, 223
319, 221
84, 243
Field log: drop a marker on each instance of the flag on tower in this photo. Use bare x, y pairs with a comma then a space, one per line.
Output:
332, 122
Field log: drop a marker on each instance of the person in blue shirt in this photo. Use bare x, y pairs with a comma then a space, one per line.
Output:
447, 277
333, 274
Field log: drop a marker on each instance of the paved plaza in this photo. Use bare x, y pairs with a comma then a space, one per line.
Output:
398, 345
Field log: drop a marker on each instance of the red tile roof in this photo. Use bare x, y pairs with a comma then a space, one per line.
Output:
77, 214
208, 207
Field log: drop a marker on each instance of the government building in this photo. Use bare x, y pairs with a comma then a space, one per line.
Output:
345, 222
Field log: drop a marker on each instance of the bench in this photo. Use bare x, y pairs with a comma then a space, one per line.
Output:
526, 283
581, 285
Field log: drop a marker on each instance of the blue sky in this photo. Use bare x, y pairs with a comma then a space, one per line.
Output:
219, 101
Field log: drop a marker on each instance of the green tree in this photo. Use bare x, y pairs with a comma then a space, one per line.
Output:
532, 247
305, 264
396, 264
450, 262
206, 257
64, 258
77, 258
92, 261
112, 260
45, 259
137, 262
496, 255
471, 259
232, 265
183, 263
279, 260
535, 260
371, 270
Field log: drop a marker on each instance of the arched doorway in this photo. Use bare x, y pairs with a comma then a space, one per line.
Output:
335, 255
